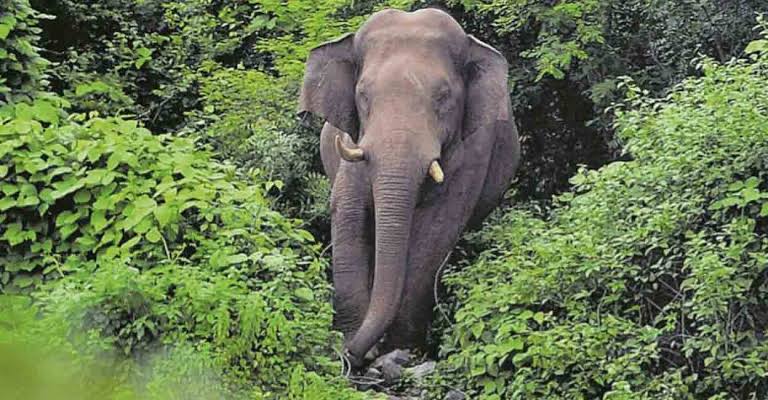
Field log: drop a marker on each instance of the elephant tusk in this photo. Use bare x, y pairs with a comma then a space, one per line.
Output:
349, 154
436, 172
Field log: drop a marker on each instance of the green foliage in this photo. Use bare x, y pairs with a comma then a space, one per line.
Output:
567, 57
107, 187
139, 206
21, 66
43, 358
152, 243
648, 281
227, 72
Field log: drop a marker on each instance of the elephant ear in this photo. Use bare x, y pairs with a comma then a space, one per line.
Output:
487, 96
329, 84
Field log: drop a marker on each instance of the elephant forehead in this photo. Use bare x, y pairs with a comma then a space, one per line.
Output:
390, 30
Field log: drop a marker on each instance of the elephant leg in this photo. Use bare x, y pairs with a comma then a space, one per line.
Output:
351, 225
416, 313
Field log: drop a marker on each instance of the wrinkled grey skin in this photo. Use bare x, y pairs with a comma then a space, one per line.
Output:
407, 89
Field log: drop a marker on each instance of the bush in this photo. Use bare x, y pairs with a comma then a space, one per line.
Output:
648, 281
21, 66
146, 242
227, 72
566, 58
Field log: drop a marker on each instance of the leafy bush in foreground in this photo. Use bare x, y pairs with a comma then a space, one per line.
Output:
649, 281
146, 243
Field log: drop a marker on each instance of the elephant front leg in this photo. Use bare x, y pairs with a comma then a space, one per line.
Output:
352, 251
430, 248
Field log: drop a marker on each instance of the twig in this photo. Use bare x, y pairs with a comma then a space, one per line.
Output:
434, 288
365, 380
57, 266
344, 373
325, 250
165, 246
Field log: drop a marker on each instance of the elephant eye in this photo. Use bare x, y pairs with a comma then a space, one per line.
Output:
362, 100
360, 91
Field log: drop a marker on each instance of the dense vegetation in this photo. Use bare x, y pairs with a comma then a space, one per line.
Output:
648, 280
163, 213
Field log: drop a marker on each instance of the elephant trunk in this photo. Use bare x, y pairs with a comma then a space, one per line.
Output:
394, 196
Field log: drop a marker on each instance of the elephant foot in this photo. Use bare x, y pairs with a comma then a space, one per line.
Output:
390, 369
359, 362
355, 361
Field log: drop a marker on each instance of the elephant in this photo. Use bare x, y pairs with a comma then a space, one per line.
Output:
419, 144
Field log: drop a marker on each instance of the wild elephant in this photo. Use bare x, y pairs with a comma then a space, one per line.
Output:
419, 143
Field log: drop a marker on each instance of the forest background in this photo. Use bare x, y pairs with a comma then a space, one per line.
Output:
164, 219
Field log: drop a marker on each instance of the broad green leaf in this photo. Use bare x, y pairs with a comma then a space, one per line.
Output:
165, 214
142, 207
154, 235
66, 187
67, 218
757, 46
5, 29
235, 259
305, 294
7, 202
98, 220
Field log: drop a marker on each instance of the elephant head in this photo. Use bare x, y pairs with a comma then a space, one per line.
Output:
418, 119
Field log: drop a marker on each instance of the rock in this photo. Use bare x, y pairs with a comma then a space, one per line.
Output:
391, 372
373, 373
398, 357
454, 395
391, 365
422, 370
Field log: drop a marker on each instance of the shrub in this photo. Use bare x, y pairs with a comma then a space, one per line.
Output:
566, 58
147, 242
21, 66
648, 281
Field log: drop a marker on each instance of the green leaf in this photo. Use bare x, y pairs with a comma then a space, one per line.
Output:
67, 218
5, 29
165, 214
235, 259
98, 220
144, 55
305, 294
7, 202
82, 196
750, 194
92, 87
14, 234
130, 243
477, 329
24, 281
154, 235
8, 189
66, 187
758, 46
46, 112
142, 207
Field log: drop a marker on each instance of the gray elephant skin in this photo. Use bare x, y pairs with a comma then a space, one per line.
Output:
419, 144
